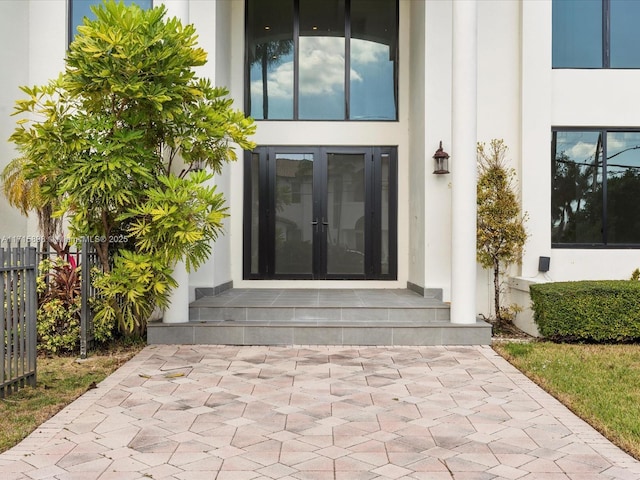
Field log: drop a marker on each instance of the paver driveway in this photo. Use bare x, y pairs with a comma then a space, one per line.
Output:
221, 412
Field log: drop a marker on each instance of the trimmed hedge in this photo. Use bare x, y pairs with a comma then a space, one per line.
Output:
592, 311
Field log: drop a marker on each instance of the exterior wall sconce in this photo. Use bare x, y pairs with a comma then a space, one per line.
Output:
441, 159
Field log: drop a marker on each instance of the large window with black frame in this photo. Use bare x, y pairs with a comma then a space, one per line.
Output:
595, 184
595, 34
322, 59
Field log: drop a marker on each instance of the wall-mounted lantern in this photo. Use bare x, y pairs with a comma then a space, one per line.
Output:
441, 159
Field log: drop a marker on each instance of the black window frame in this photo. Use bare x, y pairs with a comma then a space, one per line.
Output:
603, 245
373, 199
606, 42
296, 76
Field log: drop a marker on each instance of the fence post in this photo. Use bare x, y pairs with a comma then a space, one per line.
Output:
3, 327
15, 318
85, 285
31, 314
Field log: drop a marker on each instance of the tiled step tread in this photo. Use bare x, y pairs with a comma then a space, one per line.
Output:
245, 333
333, 314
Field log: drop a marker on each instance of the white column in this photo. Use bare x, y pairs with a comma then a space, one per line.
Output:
178, 310
177, 8
463, 162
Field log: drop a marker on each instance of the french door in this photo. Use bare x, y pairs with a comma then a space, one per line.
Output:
320, 213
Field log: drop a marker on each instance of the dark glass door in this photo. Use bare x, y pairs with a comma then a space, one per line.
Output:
320, 213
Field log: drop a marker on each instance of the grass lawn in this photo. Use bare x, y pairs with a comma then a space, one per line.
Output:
600, 383
60, 381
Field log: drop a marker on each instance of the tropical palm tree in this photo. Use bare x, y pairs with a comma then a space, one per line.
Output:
25, 194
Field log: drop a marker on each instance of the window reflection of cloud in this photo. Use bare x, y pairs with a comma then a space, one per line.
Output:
581, 152
619, 141
279, 82
365, 51
321, 65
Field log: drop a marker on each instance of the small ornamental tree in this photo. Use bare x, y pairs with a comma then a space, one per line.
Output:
121, 142
500, 227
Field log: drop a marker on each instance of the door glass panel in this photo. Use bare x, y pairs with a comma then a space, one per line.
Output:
373, 57
294, 212
384, 217
345, 211
321, 59
255, 212
270, 57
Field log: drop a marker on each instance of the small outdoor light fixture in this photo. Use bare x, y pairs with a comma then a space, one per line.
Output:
543, 264
441, 159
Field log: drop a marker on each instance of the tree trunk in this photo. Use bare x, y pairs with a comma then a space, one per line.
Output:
496, 290
102, 249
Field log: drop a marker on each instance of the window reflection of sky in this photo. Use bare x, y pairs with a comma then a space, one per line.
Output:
623, 149
580, 147
321, 88
623, 152
371, 81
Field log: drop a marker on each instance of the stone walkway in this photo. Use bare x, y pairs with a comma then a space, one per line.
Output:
221, 412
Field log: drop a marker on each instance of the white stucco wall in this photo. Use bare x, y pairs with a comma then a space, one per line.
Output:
33, 36
14, 31
212, 20
418, 155
437, 111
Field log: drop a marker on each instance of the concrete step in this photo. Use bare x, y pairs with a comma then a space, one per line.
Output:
318, 333
308, 305
319, 317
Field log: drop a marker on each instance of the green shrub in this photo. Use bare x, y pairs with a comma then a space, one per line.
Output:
59, 308
58, 327
592, 311
59, 303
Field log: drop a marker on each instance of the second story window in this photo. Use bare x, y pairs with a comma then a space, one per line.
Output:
322, 59
596, 34
78, 9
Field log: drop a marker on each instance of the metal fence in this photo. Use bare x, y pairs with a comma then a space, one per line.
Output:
85, 258
89, 259
18, 304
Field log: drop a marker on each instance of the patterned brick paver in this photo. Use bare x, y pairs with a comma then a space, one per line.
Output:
295, 413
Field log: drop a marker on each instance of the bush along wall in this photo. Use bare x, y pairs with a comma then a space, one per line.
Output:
587, 311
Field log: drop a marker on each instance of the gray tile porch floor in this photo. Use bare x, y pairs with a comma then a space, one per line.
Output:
316, 412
